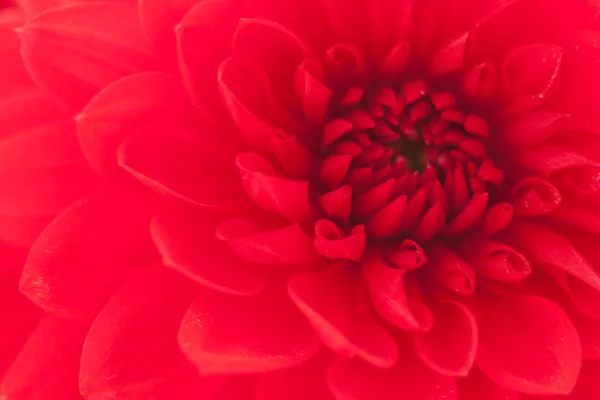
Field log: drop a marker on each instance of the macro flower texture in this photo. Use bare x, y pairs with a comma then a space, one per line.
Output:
292, 200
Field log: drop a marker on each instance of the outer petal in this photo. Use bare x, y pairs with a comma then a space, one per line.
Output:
307, 381
478, 387
333, 303
528, 344
131, 349
186, 238
84, 254
199, 59
47, 366
75, 50
223, 334
409, 379
124, 106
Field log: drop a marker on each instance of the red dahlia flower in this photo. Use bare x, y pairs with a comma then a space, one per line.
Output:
283, 199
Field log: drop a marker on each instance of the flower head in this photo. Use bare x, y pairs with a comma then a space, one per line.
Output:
332, 199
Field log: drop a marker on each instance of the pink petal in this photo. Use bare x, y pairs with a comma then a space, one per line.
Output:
186, 239
121, 108
449, 347
105, 232
332, 303
116, 363
223, 334
48, 364
528, 344
76, 50
199, 59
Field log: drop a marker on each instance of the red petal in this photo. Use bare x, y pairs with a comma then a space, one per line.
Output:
531, 129
472, 213
409, 379
172, 161
48, 364
495, 260
75, 50
272, 192
223, 334
337, 203
481, 82
332, 303
478, 387
288, 245
199, 59
451, 57
391, 296
449, 269
116, 363
449, 347
535, 197
307, 381
544, 247
124, 106
528, 344
497, 218
406, 255
187, 241
530, 74
82, 257
159, 19
388, 221
330, 242
589, 333
311, 91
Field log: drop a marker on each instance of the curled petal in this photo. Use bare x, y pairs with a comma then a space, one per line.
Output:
288, 245
407, 255
449, 347
311, 91
331, 302
330, 242
497, 218
534, 197
222, 334
528, 344
75, 50
272, 192
495, 260
392, 297
449, 269
337, 203
481, 82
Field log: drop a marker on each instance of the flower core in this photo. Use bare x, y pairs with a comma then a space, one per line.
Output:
391, 156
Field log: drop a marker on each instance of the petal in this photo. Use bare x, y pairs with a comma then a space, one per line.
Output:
116, 363
199, 59
331, 302
48, 363
589, 333
159, 19
223, 334
535, 197
545, 247
392, 295
186, 238
75, 50
471, 214
271, 191
530, 74
409, 379
124, 106
330, 242
528, 344
289, 245
307, 381
449, 269
531, 129
449, 347
105, 232
172, 161
311, 91
477, 387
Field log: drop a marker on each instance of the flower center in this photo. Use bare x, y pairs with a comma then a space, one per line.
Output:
405, 162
